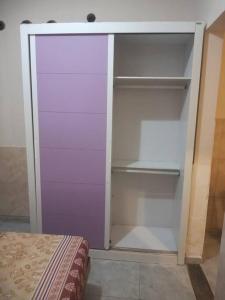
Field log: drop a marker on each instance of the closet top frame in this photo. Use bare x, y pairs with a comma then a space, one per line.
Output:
109, 27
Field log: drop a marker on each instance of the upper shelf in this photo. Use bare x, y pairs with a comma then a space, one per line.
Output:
149, 167
152, 82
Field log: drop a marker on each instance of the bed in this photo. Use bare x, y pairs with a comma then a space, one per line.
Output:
41, 266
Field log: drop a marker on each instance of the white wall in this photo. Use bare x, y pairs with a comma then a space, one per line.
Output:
12, 12
210, 10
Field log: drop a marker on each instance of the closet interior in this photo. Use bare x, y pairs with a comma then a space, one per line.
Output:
152, 79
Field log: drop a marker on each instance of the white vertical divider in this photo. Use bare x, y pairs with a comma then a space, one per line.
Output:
36, 131
28, 112
110, 76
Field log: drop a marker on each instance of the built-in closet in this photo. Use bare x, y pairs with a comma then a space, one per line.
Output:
110, 123
151, 100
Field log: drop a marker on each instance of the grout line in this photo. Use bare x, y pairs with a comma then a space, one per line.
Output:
73, 148
139, 291
71, 112
72, 73
73, 183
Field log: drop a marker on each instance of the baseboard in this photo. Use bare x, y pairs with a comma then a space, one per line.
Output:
194, 260
140, 257
214, 232
25, 219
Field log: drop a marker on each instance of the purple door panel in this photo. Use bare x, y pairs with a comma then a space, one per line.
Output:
72, 93
85, 194
85, 213
85, 226
72, 166
72, 54
72, 104
78, 131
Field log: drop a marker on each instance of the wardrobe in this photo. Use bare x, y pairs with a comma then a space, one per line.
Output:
110, 113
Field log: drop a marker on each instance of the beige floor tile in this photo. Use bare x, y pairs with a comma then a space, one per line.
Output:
113, 279
158, 282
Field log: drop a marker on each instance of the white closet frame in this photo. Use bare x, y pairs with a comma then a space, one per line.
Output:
28, 33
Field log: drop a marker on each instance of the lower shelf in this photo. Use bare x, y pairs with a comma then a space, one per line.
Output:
143, 238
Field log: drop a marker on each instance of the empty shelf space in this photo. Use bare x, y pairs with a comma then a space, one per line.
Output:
145, 167
143, 238
152, 82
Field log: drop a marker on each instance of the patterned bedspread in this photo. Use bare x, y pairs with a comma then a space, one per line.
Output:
38, 266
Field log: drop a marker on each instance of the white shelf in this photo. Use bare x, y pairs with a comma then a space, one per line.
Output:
149, 167
143, 238
152, 82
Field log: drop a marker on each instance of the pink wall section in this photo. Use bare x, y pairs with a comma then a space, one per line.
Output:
72, 100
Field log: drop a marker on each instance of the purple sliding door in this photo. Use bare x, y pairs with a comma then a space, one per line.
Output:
72, 100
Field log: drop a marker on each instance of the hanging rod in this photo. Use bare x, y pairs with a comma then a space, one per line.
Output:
163, 87
145, 171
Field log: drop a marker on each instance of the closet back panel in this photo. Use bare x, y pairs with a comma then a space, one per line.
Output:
153, 55
146, 125
143, 200
72, 103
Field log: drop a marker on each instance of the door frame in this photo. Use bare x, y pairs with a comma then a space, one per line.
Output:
28, 32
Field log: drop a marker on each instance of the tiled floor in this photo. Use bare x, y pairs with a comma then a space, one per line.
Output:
13, 225
123, 280
157, 278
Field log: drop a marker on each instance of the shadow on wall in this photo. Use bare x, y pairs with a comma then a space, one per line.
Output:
216, 206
